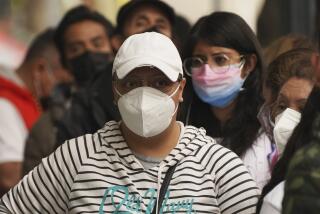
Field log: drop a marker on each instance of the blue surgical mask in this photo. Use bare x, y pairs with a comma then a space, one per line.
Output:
216, 88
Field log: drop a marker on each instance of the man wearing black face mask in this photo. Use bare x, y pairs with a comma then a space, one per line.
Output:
88, 66
82, 39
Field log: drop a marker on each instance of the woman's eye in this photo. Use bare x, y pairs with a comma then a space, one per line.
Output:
282, 107
221, 60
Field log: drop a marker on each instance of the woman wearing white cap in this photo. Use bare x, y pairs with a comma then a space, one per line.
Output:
148, 162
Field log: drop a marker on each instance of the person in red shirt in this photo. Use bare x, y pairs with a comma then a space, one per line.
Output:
20, 95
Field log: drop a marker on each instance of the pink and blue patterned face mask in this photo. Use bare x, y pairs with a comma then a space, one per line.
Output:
217, 88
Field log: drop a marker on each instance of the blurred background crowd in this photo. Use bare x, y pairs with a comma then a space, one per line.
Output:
53, 55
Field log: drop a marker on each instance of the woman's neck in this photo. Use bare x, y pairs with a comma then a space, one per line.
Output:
223, 114
157, 146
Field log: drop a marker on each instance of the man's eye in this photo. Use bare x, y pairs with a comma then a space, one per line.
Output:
98, 43
130, 84
161, 83
140, 23
76, 49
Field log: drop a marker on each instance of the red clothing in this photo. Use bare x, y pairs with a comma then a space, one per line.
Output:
22, 99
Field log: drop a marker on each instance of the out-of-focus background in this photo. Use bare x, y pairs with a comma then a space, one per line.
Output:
22, 19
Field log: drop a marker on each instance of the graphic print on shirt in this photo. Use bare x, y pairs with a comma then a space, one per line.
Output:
131, 203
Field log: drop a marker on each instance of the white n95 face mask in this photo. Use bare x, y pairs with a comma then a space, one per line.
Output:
147, 111
285, 123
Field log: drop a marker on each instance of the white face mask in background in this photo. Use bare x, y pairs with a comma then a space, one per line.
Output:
147, 111
285, 123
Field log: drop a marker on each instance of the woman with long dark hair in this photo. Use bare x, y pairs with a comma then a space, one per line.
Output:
224, 62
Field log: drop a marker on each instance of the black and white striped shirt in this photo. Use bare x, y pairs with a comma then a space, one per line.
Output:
99, 174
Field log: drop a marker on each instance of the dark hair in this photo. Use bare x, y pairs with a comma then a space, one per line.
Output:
75, 15
300, 137
231, 31
129, 8
294, 63
40, 45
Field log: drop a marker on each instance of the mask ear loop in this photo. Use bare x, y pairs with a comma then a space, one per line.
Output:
116, 90
175, 91
242, 63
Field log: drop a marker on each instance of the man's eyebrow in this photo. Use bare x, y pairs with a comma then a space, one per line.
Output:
95, 38
142, 17
161, 20
77, 42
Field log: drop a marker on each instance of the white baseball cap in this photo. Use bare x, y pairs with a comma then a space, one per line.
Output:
148, 49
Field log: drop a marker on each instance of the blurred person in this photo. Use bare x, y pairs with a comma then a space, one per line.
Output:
83, 41
139, 16
224, 62
278, 73
276, 48
21, 93
180, 31
292, 78
300, 138
83, 38
301, 193
146, 163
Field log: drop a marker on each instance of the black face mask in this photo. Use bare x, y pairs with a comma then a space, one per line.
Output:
59, 95
88, 66
45, 102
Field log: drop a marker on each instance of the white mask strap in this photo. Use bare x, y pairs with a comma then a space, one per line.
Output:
116, 90
175, 91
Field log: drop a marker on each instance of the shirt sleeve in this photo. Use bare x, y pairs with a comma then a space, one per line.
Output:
256, 160
236, 191
13, 133
46, 188
40, 143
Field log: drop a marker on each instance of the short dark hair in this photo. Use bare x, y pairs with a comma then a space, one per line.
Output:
40, 44
127, 10
75, 15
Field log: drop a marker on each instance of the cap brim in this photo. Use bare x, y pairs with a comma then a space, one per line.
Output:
127, 67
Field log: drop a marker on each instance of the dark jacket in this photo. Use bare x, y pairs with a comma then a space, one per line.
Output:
90, 108
302, 189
